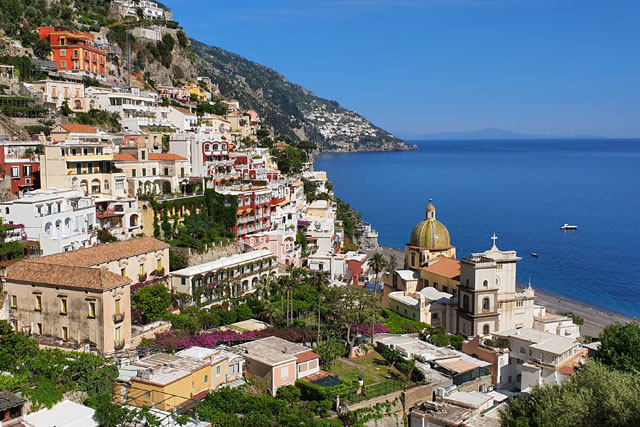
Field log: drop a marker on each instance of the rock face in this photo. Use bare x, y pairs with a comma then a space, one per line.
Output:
290, 109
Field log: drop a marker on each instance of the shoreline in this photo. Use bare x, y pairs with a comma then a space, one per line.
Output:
595, 318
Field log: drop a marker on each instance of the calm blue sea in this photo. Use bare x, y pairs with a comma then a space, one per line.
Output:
523, 191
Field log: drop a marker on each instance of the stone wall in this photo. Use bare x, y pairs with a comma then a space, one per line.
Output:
214, 253
476, 384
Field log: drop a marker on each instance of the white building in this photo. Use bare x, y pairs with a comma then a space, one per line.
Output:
61, 220
487, 297
218, 281
538, 358
56, 92
320, 231
182, 119
332, 263
150, 9
554, 323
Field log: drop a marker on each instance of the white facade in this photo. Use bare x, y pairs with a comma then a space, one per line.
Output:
61, 220
334, 264
182, 119
554, 323
225, 278
538, 358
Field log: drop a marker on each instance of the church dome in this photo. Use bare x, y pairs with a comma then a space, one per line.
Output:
430, 233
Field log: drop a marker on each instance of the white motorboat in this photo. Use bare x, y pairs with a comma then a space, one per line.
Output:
569, 227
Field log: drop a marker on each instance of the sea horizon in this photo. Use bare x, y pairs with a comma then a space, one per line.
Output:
523, 193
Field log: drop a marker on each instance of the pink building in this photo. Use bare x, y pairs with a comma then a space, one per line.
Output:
278, 362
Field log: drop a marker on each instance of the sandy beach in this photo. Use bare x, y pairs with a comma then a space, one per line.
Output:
595, 319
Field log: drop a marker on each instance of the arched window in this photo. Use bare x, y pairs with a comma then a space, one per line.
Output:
6, 210
465, 303
105, 185
467, 282
206, 379
485, 284
485, 303
48, 228
485, 330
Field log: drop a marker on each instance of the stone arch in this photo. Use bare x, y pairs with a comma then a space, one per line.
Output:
133, 220
48, 229
67, 225
465, 303
485, 304
486, 330
84, 184
95, 186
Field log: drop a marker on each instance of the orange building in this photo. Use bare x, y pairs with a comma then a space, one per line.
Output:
74, 51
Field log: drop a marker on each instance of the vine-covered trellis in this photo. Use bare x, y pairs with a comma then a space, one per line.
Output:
195, 222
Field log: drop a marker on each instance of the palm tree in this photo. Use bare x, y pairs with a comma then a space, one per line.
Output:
271, 313
378, 264
392, 264
264, 287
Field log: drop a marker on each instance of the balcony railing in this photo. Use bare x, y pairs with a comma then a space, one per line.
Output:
118, 318
118, 345
142, 277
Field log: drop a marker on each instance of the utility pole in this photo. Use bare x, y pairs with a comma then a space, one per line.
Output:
128, 56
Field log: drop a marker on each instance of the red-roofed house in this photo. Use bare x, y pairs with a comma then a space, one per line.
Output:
75, 52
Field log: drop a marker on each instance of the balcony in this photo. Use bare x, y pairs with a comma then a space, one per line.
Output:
142, 277
118, 318
118, 345
158, 272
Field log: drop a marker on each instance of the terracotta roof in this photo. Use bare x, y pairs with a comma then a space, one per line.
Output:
65, 275
104, 253
183, 110
165, 156
78, 128
445, 267
306, 356
124, 158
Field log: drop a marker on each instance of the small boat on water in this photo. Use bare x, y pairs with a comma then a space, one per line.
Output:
569, 227
534, 254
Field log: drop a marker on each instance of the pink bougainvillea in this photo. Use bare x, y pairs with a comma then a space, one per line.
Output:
377, 329
177, 340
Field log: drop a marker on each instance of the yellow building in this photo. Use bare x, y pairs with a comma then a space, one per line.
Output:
164, 381
197, 91
227, 368
70, 307
85, 165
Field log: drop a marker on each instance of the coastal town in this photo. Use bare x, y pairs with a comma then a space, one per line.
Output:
169, 259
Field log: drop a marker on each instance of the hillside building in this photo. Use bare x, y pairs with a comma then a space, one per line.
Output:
70, 307
75, 52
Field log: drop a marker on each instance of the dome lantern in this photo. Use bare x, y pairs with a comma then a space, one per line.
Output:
430, 233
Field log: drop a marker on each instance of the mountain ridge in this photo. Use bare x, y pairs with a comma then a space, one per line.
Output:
291, 109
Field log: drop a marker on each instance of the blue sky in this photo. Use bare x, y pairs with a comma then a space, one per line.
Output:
562, 67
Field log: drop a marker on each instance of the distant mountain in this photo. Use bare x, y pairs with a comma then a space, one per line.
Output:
492, 133
290, 109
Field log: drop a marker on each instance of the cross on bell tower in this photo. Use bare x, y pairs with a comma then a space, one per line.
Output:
494, 238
